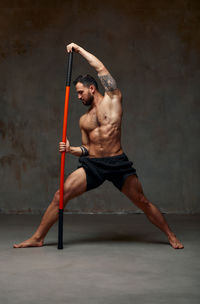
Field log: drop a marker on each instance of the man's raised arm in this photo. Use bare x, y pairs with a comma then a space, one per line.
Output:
106, 79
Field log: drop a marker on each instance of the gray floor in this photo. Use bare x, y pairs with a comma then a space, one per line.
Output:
106, 259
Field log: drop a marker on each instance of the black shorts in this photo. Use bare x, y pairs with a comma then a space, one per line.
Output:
114, 168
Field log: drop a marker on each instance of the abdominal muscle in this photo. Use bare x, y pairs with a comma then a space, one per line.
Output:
105, 141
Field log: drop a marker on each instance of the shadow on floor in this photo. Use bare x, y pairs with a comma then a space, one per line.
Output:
111, 238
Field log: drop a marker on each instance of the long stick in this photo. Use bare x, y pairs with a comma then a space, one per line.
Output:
60, 219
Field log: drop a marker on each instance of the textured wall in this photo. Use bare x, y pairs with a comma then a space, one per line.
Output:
152, 48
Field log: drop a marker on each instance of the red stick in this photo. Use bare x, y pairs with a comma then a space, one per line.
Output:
60, 220
64, 140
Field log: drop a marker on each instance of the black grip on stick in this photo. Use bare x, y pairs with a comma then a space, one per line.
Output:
69, 69
60, 229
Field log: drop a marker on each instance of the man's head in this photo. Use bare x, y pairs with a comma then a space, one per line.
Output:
86, 86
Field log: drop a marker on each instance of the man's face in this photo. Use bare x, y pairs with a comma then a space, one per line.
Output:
85, 94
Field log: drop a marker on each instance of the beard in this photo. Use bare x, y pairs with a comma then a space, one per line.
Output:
87, 102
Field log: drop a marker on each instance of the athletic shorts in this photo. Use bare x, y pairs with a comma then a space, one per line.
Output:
114, 168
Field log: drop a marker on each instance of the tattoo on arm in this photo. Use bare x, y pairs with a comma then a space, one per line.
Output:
108, 82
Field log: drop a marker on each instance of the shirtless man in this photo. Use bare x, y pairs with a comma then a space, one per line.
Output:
101, 154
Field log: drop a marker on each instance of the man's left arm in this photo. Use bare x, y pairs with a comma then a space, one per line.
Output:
105, 77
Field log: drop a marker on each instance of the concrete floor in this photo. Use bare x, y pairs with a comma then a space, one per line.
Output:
106, 259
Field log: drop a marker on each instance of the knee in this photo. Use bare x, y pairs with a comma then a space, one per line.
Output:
56, 198
144, 203
66, 197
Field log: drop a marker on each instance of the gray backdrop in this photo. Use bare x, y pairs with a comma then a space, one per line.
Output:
152, 48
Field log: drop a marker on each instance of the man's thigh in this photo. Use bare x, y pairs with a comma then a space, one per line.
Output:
75, 184
132, 188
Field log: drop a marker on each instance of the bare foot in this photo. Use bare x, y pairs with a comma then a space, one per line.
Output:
32, 242
174, 242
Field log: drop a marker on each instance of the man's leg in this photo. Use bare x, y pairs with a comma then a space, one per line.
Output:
133, 190
74, 185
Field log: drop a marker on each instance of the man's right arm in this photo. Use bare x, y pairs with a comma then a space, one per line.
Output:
82, 150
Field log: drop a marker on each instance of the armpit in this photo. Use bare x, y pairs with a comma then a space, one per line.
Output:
108, 82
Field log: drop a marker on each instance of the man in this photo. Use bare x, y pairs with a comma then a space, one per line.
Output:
101, 154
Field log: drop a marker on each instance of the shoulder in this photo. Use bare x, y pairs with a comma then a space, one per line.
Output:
114, 95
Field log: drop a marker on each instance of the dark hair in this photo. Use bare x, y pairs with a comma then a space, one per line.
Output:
87, 80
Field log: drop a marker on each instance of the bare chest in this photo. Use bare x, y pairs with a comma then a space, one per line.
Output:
99, 117
96, 119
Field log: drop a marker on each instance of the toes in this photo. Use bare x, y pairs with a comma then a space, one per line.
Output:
21, 245
177, 245
15, 246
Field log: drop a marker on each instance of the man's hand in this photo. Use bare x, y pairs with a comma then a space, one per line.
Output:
73, 47
64, 147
